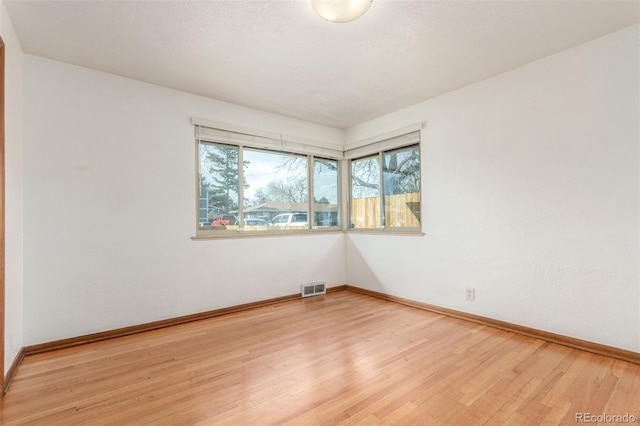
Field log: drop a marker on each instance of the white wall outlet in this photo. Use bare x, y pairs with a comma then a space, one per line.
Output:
470, 294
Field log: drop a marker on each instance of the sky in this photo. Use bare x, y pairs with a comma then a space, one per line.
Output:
265, 166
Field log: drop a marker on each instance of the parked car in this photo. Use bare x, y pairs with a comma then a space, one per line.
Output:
290, 219
224, 219
253, 222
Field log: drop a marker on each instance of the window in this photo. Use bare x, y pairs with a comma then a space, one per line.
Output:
253, 183
325, 193
401, 183
275, 183
385, 186
365, 193
219, 184
247, 186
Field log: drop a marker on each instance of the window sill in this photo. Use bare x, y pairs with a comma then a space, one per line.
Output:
258, 234
235, 235
387, 231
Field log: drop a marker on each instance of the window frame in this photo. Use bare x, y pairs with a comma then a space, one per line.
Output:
383, 228
208, 131
240, 231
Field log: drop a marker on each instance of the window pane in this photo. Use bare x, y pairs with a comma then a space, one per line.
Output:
325, 192
401, 174
275, 191
365, 191
218, 204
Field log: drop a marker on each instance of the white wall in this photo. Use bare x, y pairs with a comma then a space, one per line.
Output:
13, 190
530, 195
110, 208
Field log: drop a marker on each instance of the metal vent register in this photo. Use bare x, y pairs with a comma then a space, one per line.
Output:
313, 289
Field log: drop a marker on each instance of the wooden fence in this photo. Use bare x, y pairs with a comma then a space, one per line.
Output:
401, 211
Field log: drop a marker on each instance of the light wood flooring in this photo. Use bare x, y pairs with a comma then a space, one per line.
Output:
343, 358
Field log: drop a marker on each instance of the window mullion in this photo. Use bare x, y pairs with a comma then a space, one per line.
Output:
310, 197
349, 195
381, 193
241, 187
198, 185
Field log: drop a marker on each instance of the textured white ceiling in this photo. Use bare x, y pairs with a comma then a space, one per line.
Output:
279, 56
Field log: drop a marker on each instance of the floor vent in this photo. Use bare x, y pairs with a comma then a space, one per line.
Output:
313, 289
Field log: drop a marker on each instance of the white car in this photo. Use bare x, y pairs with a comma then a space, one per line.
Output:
290, 219
253, 222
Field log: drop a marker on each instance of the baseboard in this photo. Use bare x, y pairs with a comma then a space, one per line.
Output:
125, 331
597, 348
584, 345
8, 378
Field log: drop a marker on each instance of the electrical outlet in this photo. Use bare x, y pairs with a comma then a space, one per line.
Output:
470, 294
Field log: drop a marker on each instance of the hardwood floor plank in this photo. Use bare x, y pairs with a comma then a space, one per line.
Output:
626, 392
343, 358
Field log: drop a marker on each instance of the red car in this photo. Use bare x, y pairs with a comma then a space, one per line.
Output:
224, 219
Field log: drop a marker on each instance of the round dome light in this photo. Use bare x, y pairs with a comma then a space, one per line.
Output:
340, 10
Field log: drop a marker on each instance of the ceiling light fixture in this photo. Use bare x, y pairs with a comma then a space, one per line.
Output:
340, 10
